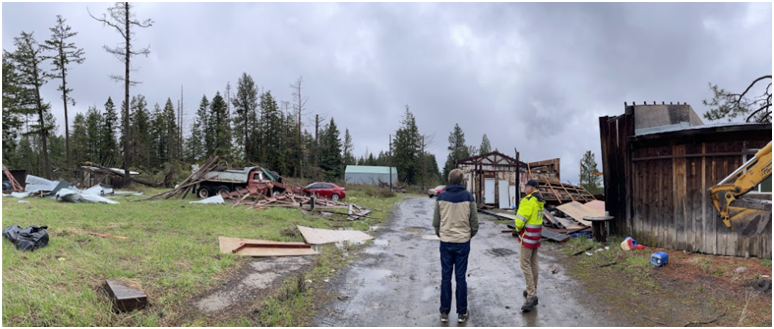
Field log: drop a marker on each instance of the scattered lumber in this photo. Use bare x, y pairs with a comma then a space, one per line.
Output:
196, 177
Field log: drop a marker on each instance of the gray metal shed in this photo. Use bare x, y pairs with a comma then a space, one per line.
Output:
370, 175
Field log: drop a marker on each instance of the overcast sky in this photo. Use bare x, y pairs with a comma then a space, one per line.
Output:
532, 76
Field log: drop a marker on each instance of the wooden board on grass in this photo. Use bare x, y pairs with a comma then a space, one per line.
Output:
228, 244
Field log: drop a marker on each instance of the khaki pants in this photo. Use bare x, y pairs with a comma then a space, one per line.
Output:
529, 265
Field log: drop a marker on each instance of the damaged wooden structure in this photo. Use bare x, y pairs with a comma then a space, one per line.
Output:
492, 178
659, 162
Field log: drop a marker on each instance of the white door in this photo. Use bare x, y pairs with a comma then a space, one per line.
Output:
502, 189
512, 194
489, 190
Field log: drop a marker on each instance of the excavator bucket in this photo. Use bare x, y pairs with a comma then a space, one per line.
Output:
749, 222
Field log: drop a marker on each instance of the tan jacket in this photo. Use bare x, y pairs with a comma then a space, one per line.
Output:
455, 218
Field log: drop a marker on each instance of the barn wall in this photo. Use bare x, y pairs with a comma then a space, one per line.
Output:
658, 188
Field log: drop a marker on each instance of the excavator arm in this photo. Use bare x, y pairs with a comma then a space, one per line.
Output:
727, 195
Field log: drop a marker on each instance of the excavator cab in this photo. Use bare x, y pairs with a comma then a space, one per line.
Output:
740, 212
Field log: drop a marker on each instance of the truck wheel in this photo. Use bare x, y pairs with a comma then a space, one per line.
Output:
223, 190
335, 197
204, 192
276, 193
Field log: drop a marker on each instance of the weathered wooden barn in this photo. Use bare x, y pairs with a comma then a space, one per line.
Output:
659, 162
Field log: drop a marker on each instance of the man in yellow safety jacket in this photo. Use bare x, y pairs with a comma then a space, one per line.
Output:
529, 227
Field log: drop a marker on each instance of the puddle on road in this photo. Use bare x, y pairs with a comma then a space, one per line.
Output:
381, 242
370, 275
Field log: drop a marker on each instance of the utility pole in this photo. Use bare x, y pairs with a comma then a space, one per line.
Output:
390, 168
517, 199
180, 120
316, 139
422, 162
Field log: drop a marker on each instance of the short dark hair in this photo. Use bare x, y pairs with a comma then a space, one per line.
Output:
455, 176
532, 183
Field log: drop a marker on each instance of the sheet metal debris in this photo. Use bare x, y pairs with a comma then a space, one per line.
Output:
218, 199
67, 195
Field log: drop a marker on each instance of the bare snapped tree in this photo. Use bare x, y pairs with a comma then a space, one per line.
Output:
726, 104
121, 18
64, 53
299, 107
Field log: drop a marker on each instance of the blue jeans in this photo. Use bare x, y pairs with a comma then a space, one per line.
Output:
454, 255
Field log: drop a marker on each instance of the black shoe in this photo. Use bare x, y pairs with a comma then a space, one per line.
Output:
524, 293
444, 317
529, 304
463, 317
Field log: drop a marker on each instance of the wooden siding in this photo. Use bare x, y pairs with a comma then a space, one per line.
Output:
657, 187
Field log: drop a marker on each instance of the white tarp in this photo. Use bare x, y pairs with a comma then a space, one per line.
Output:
218, 199
68, 195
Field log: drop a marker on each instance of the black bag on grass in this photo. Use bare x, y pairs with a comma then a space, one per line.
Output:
27, 239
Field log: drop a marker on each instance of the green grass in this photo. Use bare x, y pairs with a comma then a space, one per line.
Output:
172, 252
766, 262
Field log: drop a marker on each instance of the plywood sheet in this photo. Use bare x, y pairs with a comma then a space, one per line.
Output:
321, 236
596, 205
228, 244
577, 211
569, 224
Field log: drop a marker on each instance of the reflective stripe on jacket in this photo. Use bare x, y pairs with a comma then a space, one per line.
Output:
529, 220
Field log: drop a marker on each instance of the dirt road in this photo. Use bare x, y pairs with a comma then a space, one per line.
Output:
397, 281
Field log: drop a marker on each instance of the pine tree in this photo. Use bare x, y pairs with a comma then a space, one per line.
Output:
108, 139
330, 152
12, 113
271, 126
406, 148
93, 134
79, 139
196, 143
219, 127
64, 54
29, 58
141, 130
485, 146
457, 150
588, 167
170, 132
245, 106
349, 159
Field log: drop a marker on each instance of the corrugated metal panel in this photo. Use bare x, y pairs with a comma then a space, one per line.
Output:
370, 170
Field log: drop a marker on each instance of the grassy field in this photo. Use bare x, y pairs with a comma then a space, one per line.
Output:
172, 253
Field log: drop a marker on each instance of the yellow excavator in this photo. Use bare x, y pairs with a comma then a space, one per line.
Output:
742, 214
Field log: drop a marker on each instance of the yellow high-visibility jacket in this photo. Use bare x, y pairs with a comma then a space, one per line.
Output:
529, 220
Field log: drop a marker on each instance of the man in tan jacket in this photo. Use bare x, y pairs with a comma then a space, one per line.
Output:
456, 221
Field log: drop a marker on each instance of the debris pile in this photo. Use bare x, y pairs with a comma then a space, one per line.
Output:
187, 185
62, 191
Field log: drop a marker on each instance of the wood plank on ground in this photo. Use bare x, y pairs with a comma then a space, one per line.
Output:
227, 245
321, 236
577, 211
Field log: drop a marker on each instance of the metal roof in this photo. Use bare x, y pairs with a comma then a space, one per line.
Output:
686, 126
370, 170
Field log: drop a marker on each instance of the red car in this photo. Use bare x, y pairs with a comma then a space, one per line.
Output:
326, 190
435, 191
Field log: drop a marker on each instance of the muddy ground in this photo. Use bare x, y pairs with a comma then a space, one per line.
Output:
396, 281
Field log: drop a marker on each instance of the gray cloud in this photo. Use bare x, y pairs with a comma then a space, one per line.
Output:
531, 76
